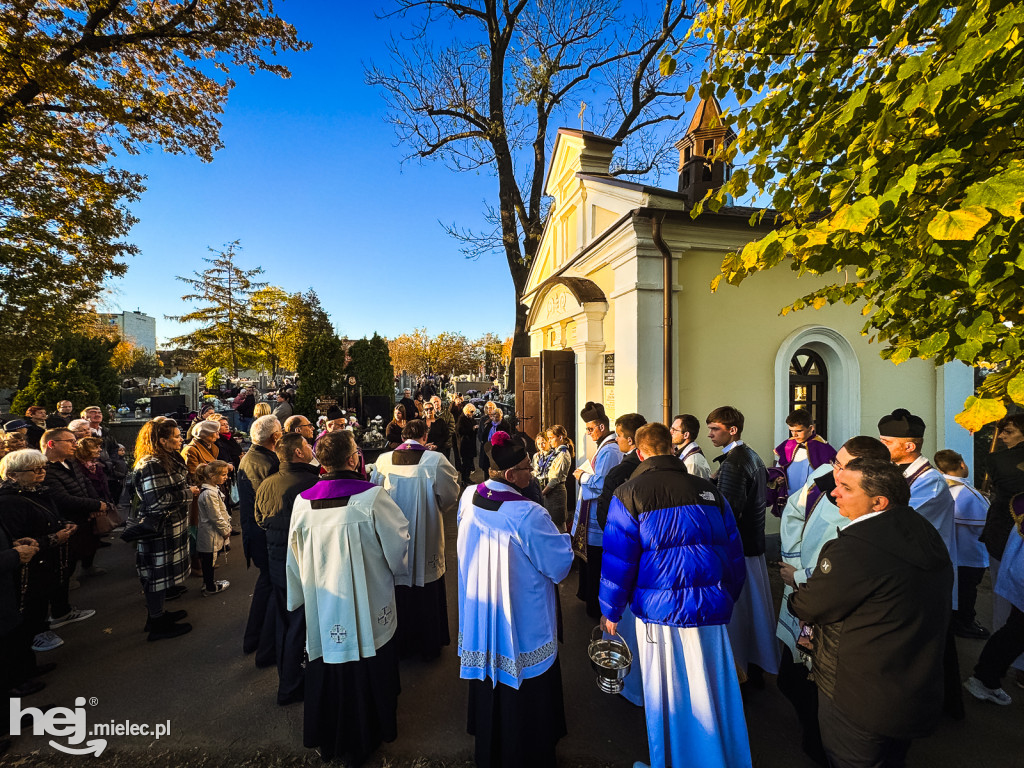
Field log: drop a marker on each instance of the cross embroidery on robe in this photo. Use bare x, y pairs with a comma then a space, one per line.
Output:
338, 633
435, 562
385, 615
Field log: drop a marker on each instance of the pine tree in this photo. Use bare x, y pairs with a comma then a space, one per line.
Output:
228, 335
320, 361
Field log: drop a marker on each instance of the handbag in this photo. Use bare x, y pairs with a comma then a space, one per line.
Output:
102, 524
143, 527
579, 537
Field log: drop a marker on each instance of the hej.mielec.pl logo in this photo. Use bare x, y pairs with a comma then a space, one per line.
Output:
71, 725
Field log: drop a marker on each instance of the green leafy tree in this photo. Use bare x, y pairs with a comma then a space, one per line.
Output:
228, 334
887, 136
303, 317
370, 363
482, 84
321, 359
131, 360
214, 379
81, 81
267, 307
79, 368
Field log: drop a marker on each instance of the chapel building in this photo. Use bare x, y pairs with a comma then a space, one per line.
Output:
620, 262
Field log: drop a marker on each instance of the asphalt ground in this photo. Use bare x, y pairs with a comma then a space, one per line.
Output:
222, 710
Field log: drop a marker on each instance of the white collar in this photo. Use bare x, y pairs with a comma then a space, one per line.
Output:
605, 439
732, 445
865, 517
211, 486
688, 449
915, 465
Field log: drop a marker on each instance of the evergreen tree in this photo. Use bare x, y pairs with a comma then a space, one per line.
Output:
79, 368
303, 317
228, 335
320, 362
370, 363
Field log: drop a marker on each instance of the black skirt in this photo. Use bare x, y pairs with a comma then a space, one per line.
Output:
422, 620
517, 728
351, 708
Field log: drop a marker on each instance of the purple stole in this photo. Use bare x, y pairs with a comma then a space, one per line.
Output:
336, 489
917, 473
498, 497
818, 452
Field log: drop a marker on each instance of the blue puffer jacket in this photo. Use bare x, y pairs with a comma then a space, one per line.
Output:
671, 549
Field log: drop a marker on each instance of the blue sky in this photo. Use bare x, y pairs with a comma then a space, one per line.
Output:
311, 182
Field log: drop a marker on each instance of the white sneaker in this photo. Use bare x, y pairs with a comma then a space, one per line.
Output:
979, 690
72, 616
46, 641
218, 586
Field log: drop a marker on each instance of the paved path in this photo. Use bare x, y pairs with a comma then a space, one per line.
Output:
223, 711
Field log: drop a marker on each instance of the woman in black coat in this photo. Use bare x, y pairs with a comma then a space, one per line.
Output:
465, 433
28, 512
393, 432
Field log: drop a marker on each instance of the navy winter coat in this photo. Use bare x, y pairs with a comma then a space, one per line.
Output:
671, 549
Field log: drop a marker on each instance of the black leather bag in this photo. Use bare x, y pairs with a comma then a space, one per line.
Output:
143, 527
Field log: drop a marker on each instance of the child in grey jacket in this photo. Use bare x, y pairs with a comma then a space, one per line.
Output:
214, 522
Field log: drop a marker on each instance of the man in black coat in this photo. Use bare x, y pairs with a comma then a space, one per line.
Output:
879, 602
274, 500
257, 465
409, 404
743, 480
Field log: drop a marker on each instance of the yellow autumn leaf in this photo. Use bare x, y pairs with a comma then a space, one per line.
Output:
979, 411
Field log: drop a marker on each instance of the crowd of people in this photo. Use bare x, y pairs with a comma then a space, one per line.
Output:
882, 552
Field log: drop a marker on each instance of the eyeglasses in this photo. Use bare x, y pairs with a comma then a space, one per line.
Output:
34, 470
65, 440
836, 465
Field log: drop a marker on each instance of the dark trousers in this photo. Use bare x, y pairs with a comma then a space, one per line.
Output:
17, 660
290, 641
206, 561
848, 745
968, 579
1001, 649
260, 628
796, 685
590, 580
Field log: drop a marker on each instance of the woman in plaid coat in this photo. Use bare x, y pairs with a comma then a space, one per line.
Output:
162, 483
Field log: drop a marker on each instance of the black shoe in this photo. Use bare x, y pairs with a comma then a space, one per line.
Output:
164, 629
27, 689
175, 592
171, 616
972, 631
293, 698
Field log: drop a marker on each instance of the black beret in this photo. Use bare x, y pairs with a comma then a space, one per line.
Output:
504, 451
593, 412
901, 423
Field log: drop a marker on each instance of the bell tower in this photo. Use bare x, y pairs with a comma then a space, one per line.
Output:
705, 136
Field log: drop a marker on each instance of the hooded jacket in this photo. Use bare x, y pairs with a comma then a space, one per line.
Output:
880, 603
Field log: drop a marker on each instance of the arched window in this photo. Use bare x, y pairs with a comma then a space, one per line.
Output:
808, 387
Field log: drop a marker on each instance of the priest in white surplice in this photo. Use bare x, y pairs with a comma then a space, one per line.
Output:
511, 556
425, 486
347, 544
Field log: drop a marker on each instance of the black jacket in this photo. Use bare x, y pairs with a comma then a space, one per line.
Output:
274, 500
1006, 477
481, 438
880, 602
743, 480
616, 476
73, 495
32, 514
256, 466
10, 583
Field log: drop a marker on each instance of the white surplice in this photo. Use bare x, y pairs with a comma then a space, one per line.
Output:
424, 492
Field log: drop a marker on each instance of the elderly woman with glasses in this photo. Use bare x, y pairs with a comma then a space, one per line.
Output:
30, 514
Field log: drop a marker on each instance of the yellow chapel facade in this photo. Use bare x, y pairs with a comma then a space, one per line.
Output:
599, 306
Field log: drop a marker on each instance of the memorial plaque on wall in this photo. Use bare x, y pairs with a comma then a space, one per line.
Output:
609, 370
324, 404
